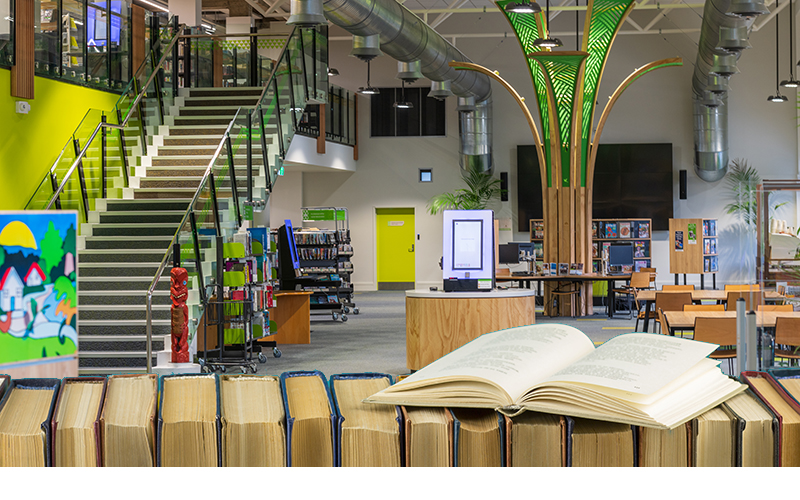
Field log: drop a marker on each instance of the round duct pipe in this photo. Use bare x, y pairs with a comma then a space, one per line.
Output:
306, 13
366, 48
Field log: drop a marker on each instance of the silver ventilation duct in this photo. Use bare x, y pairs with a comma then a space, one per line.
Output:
711, 114
407, 38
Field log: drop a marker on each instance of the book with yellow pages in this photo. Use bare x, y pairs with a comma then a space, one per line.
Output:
479, 438
25, 414
636, 378
366, 435
664, 447
128, 421
76, 422
534, 440
253, 421
595, 443
786, 410
188, 421
756, 431
428, 434
310, 419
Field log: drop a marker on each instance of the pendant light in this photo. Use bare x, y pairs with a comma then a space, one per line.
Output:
369, 89
523, 8
402, 103
333, 71
548, 42
777, 97
791, 83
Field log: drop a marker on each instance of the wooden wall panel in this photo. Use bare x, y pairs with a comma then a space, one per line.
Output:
216, 58
321, 110
22, 71
137, 37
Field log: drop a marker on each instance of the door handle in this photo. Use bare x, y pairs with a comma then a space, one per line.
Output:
411, 250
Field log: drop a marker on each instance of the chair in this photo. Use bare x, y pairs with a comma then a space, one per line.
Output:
743, 288
787, 338
652, 271
672, 301
720, 331
751, 300
677, 288
662, 321
776, 307
639, 281
568, 292
704, 307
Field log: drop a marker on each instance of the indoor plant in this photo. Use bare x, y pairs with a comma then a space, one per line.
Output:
482, 188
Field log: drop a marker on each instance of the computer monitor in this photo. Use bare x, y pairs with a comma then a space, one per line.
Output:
508, 253
620, 254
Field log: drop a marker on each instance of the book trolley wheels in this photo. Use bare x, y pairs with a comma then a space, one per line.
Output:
262, 358
355, 310
334, 315
344, 317
276, 353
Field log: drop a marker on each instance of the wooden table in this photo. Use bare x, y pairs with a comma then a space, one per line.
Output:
573, 278
721, 296
439, 322
684, 320
292, 316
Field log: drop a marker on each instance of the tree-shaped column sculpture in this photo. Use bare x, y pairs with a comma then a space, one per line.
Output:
566, 84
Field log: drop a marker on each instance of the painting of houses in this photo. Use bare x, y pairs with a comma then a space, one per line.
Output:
38, 288
11, 289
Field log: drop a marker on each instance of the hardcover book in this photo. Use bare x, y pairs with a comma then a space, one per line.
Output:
624, 229
428, 437
128, 421
665, 447
76, 425
556, 369
755, 431
188, 421
310, 419
785, 409
611, 230
25, 414
643, 230
479, 438
367, 435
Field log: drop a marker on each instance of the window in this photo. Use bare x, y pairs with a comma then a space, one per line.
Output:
426, 118
425, 175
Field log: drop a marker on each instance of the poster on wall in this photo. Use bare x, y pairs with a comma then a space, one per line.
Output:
679, 241
691, 238
38, 289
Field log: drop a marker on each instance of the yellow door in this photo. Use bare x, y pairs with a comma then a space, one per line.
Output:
395, 240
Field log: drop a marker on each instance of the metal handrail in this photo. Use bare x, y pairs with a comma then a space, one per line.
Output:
80, 156
165, 259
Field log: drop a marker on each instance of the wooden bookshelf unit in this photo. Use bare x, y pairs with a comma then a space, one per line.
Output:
693, 248
606, 231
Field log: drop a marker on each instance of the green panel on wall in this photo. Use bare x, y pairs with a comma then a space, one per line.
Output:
30, 143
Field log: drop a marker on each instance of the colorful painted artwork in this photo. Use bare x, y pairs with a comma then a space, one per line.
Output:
38, 285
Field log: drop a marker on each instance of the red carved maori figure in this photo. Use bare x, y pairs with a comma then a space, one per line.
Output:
179, 292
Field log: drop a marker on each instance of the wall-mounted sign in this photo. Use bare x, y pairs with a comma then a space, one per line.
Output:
396, 223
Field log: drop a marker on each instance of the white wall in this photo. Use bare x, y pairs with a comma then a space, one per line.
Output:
656, 108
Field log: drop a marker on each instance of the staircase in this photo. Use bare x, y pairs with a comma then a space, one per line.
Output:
125, 239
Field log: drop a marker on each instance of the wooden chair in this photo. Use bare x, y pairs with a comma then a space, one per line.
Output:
720, 331
639, 281
560, 294
677, 288
787, 339
652, 271
743, 288
662, 321
671, 301
751, 300
776, 307
704, 307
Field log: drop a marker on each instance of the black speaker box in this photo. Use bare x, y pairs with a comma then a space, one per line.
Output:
682, 184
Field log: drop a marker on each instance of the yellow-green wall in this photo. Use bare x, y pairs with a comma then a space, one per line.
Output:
29, 144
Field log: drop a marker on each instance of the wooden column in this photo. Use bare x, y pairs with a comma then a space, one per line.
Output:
137, 37
321, 120
24, 59
216, 59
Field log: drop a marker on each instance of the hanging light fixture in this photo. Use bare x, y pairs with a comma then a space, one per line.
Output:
333, 72
548, 42
369, 89
747, 8
402, 103
791, 83
523, 8
306, 13
777, 97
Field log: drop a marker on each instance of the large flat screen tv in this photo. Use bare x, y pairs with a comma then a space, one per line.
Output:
630, 181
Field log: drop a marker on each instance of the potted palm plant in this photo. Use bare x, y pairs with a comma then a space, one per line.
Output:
482, 188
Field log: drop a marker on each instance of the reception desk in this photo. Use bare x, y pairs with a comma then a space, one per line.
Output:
439, 322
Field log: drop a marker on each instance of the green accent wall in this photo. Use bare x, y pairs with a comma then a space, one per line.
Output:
29, 144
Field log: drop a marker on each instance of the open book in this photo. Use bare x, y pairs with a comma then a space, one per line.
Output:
636, 378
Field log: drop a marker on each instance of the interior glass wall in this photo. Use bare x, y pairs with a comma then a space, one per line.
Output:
84, 41
6, 32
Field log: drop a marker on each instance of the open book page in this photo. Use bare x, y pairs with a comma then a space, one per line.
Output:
511, 359
636, 364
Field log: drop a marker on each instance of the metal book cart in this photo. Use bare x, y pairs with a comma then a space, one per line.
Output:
236, 315
325, 262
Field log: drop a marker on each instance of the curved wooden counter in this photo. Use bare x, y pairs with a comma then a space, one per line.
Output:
438, 322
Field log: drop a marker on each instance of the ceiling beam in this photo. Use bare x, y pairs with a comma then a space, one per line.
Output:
564, 34
455, 4
489, 10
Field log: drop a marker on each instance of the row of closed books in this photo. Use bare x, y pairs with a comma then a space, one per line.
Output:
301, 419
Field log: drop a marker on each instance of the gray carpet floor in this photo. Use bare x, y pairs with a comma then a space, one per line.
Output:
375, 339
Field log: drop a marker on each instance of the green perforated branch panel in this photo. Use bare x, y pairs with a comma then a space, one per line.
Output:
605, 19
561, 72
527, 28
